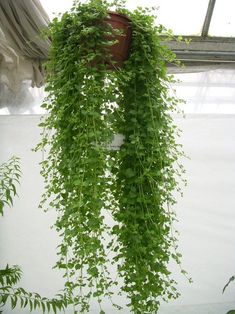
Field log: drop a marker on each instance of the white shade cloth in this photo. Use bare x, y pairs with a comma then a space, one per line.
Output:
22, 48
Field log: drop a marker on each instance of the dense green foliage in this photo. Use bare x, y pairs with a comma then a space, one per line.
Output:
87, 104
146, 170
9, 276
9, 177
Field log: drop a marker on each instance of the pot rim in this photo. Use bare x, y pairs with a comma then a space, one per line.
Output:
119, 14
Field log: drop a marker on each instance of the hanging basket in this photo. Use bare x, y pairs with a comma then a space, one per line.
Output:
119, 51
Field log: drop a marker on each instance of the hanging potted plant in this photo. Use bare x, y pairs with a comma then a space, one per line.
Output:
88, 102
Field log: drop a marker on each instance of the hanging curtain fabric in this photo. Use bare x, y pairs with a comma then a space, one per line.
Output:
22, 48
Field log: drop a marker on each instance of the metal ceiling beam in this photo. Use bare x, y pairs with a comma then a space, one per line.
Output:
208, 17
211, 49
206, 56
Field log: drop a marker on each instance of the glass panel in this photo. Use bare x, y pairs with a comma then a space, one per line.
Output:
223, 19
207, 92
183, 17
53, 7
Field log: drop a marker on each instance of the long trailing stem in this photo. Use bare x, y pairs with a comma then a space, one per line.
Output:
146, 172
87, 103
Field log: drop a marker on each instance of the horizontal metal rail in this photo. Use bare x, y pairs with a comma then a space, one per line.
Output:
211, 49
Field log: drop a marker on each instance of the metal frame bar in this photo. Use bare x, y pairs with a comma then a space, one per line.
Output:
203, 48
208, 17
217, 39
206, 56
209, 49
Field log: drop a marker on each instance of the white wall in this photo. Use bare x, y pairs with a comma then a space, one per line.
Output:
25, 235
206, 214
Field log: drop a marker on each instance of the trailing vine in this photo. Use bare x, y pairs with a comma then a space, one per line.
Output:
87, 103
79, 106
146, 169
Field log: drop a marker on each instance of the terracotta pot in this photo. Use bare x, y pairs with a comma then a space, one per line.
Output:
120, 50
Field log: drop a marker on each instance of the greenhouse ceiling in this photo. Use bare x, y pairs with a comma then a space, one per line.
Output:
209, 24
